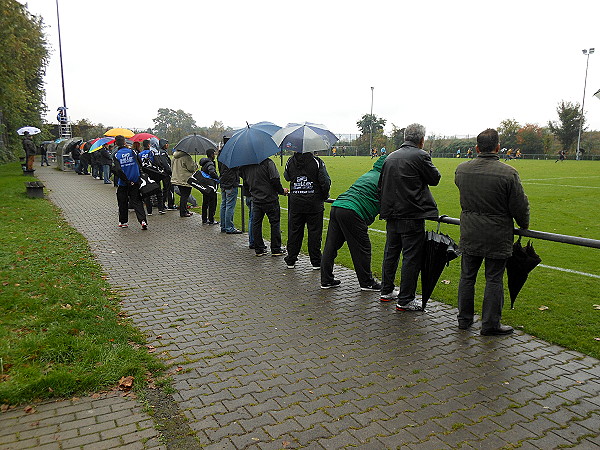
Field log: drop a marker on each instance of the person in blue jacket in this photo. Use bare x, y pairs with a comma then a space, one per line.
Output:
126, 167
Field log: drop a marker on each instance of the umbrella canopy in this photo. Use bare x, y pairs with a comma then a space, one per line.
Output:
31, 130
518, 266
195, 145
438, 250
304, 138
120, 131
250, 145
141, 136
99, 143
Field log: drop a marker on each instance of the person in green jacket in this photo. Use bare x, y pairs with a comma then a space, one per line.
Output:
349, 220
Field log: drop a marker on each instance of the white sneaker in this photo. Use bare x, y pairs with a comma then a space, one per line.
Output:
389, 297
123, 225
413, 305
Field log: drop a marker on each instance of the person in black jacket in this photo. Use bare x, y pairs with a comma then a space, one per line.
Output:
265, 186
309, 188
163, 161
105, 161
230, 180
406, 202
209, 199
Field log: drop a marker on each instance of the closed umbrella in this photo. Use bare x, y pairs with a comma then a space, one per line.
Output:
304, 138
250, 145
518, 266
439, 249
195, 145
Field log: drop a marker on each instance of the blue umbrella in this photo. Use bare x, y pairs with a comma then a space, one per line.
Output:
250, 145
304, 138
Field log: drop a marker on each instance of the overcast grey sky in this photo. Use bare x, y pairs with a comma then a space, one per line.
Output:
457, 67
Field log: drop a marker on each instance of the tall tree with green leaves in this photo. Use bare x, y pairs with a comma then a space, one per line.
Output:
370, 123
23, 60
566, 129
530, 139
173, 124
508, 130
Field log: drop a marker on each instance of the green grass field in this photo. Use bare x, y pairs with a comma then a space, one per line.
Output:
564, 199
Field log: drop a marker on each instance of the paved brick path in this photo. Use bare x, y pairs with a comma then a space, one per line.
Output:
269, 360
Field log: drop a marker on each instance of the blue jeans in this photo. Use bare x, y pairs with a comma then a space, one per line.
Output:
228, 199
106, 173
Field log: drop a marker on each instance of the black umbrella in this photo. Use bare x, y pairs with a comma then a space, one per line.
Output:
518, 266
439, 249
195, 145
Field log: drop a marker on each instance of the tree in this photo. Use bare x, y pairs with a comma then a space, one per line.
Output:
215, 131
566, 129
370, 123
397, 137
174, 125
530, 139
508, 133
23, 60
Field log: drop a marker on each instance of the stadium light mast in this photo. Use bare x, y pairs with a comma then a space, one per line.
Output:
371, 126
586, 52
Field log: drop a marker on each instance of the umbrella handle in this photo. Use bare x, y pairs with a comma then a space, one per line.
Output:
439, 221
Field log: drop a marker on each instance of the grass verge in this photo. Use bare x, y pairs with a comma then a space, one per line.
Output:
61, 329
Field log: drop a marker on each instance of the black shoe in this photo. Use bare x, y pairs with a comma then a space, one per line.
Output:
251, 246
213, 222
374, 286
332, 284
278, 252
502, 330
235, 231
261, 253
465, 324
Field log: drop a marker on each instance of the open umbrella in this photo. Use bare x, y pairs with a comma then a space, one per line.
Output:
518, 266
31, 130
141, 136
304, 138
120, 131
250, 145
101, 143
438, 250
195, 145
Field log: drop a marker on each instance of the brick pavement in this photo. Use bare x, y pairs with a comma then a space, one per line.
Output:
269, 360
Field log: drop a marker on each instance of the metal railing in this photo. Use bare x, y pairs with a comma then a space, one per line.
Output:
542, 235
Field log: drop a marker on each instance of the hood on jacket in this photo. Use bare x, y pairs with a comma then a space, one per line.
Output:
379, 163
204, 161
154, 143
179, 154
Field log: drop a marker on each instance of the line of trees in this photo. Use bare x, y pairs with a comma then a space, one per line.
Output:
23, 61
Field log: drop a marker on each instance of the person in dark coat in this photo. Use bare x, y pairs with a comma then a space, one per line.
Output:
209, 199
309, 188
29, 149
265, 187
491, 197
406, 202
162, 160
229, 181
106, 162
96, 164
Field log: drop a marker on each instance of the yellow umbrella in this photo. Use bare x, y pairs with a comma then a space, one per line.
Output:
120, 131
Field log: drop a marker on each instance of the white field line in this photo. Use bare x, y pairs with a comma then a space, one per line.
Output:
531, 180
563, 185
561, 178
560, 269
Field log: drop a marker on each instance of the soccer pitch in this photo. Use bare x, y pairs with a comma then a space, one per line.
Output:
558, 301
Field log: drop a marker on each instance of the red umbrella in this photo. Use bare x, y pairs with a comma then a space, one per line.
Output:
141, 136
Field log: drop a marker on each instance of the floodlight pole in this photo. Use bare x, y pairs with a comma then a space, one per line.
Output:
371, 124
62, 74
587, 53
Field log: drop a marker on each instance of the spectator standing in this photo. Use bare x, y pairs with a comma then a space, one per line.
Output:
162, 160
351, 214
209, 199
265, 187
126, 166
309, 188
230, 180
491, 197
152, 170
105, 162
29, 149
183, 168
96, 164
44, 153
406, 202
84, 160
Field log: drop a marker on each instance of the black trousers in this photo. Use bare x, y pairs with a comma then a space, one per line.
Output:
130, 196
493, 295
259, 211
184, 194
346, 225
209, 206
314, 225
167, 191
406, 237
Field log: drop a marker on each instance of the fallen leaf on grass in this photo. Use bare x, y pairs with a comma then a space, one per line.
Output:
4, 407
29, 409
179, 369
596, 306
125, 383
543, 308
597, 339
95, 395
67, 306
446, 281
151, 348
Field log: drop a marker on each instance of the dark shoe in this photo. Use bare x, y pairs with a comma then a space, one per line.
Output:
213, 222
187, 215
235, 231
261, 253
144, 225
465, 324
334, 283
278, 252
251, 246
374, 286
162, 211
502, 330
